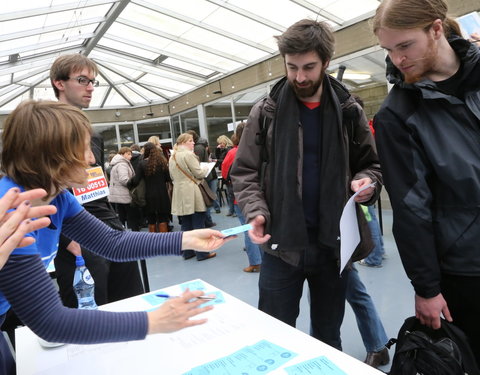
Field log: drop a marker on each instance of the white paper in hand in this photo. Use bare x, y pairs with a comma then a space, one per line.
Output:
349, 234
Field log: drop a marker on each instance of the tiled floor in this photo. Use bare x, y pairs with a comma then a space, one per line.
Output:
388, 286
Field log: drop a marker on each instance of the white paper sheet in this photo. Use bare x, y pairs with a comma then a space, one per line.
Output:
349, 234
209, 165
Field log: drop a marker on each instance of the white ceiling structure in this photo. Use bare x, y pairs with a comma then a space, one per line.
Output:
156, 50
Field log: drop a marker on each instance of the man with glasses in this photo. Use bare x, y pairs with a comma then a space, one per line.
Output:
73, 78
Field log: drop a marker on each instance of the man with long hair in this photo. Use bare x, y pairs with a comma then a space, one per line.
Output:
427, 133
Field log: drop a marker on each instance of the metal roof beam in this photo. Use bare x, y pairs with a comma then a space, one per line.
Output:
111, 16
128, 78
247, 14
55, 9
203, 25
329, 16
180, 40
165, 53
51, 43
50, 29
117, 89
22, 90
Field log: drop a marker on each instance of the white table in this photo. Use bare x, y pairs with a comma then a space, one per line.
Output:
232, 325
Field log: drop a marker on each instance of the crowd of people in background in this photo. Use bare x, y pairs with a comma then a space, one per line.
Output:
275, 179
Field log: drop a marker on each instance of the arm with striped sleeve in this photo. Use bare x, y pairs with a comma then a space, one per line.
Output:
32, 295
117, 245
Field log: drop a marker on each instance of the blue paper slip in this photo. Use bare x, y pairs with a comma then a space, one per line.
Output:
260, 358
236, 230
320, 365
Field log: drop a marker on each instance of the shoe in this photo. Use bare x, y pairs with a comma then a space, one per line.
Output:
376, 359
189, 256
234, 215
210, 224
229, 214
209, 256
363, 263
252, 269
217, 211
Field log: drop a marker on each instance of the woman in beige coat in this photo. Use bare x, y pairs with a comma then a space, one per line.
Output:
187, 200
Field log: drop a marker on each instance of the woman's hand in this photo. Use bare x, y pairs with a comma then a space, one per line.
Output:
203, 240
16, 224
175, 313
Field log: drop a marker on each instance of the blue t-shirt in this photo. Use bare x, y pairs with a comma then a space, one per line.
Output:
46, 239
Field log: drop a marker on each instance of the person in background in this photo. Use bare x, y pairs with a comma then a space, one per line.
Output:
107, 166
225, 144
73, 78
187, 200
154, 170
14, 225
137, 156
136, 212
312, 167
24, 282
122, 172
254, 253
201, 150
427, 132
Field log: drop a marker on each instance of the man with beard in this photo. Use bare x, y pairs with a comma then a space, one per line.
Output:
316, 145
428, 132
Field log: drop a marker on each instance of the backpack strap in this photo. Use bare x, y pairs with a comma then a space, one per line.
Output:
261, 140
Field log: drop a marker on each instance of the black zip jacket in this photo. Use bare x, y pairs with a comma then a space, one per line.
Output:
429, 147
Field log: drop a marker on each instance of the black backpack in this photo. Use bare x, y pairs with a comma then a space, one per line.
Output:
422, 350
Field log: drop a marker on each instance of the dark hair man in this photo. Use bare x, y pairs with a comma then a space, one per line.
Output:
427, 133
73, 78
313, 164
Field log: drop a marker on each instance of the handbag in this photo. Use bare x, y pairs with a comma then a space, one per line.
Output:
138, 194
207, 194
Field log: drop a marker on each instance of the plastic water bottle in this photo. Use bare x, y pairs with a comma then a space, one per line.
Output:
84, 286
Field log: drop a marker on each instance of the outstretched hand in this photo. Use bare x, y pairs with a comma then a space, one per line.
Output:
175, 313
16, 224
203, 240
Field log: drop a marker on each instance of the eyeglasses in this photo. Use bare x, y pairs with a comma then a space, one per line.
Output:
85, 81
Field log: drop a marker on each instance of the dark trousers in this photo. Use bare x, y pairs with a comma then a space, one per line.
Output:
129, 215
113, 280
7, 363
462, 295
281, 287
194, 221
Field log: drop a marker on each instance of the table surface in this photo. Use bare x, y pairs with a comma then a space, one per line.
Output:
231, 326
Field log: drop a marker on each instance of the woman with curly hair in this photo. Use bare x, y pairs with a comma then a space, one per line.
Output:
154, 169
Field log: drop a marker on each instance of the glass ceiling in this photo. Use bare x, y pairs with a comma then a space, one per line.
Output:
148, 51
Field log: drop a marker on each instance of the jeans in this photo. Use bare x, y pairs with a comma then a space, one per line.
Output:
281, 287
213, 185
254, 252
376, 256
369, 324
230, 198
194, 221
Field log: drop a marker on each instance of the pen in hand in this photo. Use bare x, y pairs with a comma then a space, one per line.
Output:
207, 298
